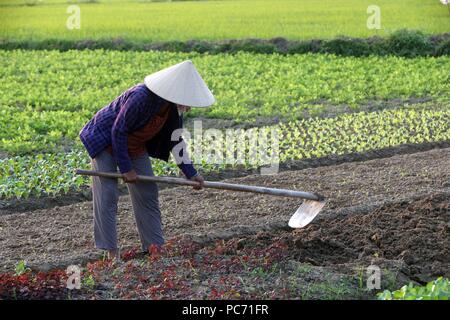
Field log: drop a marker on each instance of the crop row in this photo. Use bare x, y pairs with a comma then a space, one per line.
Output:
22, 176
246, 85
362, 132
28, 131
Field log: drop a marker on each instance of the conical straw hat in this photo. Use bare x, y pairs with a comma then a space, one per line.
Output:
181, 84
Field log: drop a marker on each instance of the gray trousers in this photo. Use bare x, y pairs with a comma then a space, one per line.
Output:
144, 199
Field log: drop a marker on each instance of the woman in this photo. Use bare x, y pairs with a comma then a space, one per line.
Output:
138, 124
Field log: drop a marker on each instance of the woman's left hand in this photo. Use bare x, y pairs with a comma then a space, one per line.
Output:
200, 180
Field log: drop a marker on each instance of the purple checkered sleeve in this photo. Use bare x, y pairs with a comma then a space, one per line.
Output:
126, 120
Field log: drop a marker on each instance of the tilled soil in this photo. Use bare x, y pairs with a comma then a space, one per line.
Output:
395, 208
415, 232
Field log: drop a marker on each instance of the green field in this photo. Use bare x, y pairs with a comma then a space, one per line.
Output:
156, 21
47, 96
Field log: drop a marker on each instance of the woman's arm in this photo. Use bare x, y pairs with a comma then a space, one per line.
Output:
130, 113
184, 162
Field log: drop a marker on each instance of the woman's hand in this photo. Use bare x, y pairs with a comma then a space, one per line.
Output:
200, 180
130, 176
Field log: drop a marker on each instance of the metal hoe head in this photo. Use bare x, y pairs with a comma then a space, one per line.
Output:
306, 213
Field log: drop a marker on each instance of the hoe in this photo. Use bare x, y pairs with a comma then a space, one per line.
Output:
307, 211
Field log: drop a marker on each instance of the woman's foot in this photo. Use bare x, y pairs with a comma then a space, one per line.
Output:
113, 254
154, 249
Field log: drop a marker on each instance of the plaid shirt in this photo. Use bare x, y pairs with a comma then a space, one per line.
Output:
129, 112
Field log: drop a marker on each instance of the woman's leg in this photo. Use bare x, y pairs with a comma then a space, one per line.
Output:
105, 196
144, 198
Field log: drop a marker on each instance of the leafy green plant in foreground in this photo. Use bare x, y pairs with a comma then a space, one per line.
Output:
21, 268
438, 289
52, 174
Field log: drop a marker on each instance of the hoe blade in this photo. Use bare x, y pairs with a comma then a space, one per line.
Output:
306, 213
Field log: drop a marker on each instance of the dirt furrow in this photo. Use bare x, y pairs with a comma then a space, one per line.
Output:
62, 235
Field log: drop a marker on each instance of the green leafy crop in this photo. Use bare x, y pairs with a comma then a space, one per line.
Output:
47, 96
438, 289
362, 132
246, 86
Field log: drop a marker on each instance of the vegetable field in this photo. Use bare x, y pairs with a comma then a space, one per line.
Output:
49, 95
370, 132
246, 85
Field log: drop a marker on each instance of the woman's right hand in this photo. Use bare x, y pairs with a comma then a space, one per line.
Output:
130, 176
